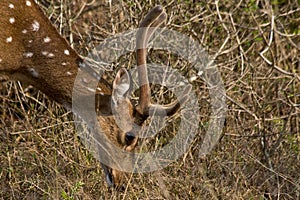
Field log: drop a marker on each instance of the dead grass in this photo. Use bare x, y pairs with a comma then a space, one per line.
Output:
257, 156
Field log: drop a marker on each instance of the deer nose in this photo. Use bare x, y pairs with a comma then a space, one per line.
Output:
129, 138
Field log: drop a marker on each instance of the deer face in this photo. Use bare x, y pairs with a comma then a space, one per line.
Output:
119, 126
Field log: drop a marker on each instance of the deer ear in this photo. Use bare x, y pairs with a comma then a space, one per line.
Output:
122, 85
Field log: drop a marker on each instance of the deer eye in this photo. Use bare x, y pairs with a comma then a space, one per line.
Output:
129, 138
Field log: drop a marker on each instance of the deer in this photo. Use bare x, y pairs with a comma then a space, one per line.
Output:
33, 52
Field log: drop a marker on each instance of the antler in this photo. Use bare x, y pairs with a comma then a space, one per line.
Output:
146, 28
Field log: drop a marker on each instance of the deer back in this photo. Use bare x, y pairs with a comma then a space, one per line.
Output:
33, 51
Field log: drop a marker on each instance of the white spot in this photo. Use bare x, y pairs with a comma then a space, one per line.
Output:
33, 72
24, 31
50, 55
11, 6
28, 54
30, 41
35, 26
45, 53
99, 89
69, 73
47, 40
0, 60
9, 39
64, 64
12, 20
28, 3
90, 89
66, 52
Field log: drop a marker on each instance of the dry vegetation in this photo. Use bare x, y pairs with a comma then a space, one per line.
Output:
258, 155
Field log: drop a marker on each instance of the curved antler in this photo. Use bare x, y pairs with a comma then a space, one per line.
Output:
146, 28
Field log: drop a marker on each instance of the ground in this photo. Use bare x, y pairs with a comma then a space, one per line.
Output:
255, 47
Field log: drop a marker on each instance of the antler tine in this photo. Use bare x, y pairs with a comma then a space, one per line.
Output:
153, 19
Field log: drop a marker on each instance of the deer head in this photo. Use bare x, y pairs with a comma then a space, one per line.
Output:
34, 52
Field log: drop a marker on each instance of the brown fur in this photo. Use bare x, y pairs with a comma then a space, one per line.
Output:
34, 52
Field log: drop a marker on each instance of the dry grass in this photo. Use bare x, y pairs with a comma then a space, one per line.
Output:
258, 155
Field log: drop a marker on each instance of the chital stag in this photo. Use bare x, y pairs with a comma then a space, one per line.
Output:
32, 51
